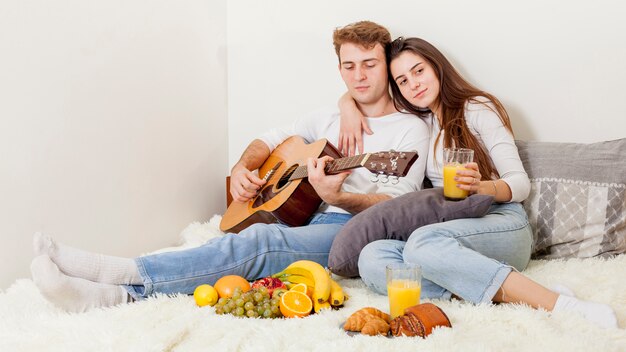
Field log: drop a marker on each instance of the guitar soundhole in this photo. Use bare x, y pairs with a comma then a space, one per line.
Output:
284, 180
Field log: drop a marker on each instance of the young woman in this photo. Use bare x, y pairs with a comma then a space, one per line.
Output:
476, 259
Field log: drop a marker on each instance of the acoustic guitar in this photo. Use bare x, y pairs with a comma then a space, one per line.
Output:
289, 198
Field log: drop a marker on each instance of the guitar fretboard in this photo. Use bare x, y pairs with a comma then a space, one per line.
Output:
332, 167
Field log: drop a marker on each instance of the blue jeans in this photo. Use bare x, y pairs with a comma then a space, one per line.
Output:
470, 258
258, 251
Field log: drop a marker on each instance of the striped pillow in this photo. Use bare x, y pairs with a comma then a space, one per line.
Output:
577, 202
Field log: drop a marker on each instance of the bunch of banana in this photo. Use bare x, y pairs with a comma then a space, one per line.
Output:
326, 291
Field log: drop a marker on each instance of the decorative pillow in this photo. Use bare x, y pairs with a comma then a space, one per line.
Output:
577, 203
396, 219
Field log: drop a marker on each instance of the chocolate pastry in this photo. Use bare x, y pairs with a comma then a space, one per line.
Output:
419, 320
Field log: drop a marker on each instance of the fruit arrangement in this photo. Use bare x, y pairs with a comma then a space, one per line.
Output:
301, 288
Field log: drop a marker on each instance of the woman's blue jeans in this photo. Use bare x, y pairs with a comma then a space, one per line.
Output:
258, 251
470, 258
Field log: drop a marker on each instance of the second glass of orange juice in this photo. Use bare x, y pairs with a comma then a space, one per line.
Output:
454, 159
404, 286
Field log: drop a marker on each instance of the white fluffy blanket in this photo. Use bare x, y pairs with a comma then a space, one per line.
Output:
30, 323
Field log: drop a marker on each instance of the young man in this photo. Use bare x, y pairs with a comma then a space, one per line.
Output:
78, 280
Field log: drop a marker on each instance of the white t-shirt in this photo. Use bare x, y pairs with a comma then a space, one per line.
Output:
397, 131
485, 124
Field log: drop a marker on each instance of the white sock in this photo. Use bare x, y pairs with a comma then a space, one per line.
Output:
71, 293
563, 290
89, 266
598, 313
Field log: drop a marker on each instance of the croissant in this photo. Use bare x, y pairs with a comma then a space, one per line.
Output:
377, 313
375, 326
359, 318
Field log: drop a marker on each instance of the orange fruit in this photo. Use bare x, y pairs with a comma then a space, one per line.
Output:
226, 285
205, 295
302, 288
295, 304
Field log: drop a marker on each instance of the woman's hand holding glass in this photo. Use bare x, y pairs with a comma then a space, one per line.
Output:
468, 178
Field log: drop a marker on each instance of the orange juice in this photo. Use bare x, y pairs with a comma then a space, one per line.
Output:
402, 294
450, 190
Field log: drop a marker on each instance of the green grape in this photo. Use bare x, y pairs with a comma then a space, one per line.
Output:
239, 311
226, 308
259, 310
247, 297
266, 305
250, 313
237, 291
231, 304
248, 305
219, 310
275, 309
258, 297
239, 302
222, 301
267, 313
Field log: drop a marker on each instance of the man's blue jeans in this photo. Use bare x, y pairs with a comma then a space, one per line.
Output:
258, 251
468, 257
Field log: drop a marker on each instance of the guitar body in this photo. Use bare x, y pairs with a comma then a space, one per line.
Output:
290, 202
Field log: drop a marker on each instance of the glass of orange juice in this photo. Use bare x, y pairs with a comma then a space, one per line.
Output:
454, 159
404, 286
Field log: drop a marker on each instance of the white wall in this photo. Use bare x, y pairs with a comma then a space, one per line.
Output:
556, 65
113, 123
113, 132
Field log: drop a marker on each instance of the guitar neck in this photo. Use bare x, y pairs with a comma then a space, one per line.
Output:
334, 166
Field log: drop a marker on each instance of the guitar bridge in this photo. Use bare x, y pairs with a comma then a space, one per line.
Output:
272, 171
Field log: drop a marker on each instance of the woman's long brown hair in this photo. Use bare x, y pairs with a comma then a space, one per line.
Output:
454, 93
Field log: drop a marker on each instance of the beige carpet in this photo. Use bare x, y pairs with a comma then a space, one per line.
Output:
29, 323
